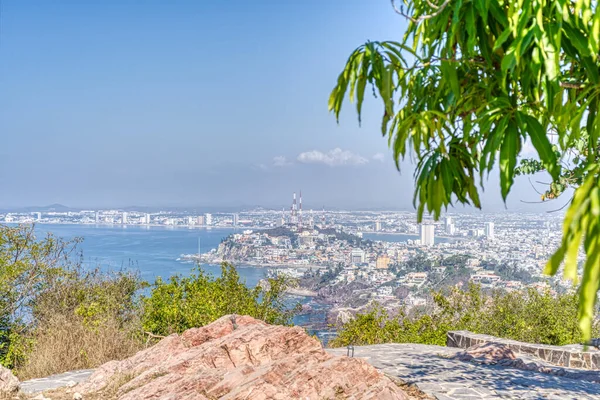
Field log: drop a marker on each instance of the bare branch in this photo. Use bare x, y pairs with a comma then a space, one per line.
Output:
438, 11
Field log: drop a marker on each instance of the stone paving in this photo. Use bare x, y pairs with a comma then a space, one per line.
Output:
432, 370
55, 381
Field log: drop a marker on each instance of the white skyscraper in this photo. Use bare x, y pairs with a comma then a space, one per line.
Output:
427, 235
208, 219
124, 219
377, 226
147, 219
38, 216
235, 219
97, 216
489, 230
447, 224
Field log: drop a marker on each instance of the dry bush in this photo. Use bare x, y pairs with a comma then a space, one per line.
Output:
68, 343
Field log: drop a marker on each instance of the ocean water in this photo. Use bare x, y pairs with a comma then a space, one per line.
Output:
154, 251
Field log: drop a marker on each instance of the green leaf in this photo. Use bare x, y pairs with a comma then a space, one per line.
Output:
502, 38
508, 158
540, 141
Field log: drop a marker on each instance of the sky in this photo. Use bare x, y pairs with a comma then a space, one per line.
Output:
180, 103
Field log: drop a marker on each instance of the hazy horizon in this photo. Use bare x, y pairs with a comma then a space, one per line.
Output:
195, 104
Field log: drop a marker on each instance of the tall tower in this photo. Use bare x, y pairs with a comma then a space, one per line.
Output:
300, 211
323, 218
294, 216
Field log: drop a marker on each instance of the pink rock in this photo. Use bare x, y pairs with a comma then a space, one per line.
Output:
252, 361
8, 382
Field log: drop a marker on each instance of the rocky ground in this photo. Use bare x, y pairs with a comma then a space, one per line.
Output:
242, 358
235, 358
448, 373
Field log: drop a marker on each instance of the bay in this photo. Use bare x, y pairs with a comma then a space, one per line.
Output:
155, 251
152, 250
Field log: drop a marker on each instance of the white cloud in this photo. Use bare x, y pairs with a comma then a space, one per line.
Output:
261, 167
281, 161
379, 157
333, 158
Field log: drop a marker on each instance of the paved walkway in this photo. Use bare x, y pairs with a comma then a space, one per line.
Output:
55, 381
435, 373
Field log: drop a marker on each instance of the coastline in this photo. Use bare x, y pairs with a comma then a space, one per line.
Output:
301, 292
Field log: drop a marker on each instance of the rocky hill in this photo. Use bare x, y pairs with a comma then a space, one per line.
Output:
237, 358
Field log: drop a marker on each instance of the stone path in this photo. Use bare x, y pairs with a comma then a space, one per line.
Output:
55, 381
435, 373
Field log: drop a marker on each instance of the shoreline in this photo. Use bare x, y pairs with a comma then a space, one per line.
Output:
301, 292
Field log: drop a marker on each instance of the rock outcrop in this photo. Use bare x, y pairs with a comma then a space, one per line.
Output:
8, 382
240, 358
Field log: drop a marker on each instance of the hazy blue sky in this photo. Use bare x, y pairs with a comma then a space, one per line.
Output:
115, 103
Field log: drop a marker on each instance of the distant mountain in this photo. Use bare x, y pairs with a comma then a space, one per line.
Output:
51, 207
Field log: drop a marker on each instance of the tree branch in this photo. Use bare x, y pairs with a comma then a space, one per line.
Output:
438, 11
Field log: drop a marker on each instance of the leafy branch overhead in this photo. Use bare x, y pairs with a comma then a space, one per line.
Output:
469, 83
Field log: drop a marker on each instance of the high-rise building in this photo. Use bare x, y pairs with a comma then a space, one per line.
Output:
208, 219
427, 235
124, 218
97, 216
449, 226
200, 220
235, 219
451, 230
489, 230
377, 226
38, 216
147, 219
190, 220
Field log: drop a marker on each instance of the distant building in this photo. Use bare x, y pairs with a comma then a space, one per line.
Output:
485, 277
208, 219
124, 218
235, 219
357, 256
190, 220
382, 262
416, 278
97, 216
489, 230
449, 226
377, 226
200, 220
147, 219
427, 235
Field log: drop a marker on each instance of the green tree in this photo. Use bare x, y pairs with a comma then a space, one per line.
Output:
199, 299
26, 264
527, 316
469, 82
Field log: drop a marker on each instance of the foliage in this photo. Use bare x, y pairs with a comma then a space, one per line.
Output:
525, 316
25, 265
197, 300
58, 315
469, 83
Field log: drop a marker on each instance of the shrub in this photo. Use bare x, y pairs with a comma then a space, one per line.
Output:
199, 299
527, 316
57, 315
26, 263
